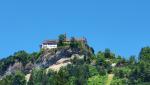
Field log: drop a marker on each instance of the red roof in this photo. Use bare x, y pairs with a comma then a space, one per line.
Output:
50, 42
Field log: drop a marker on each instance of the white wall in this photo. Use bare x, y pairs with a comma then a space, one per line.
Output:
49, 46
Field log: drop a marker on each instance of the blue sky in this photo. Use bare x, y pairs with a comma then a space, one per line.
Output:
121, 25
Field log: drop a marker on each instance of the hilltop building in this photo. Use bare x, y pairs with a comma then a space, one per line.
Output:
51, 44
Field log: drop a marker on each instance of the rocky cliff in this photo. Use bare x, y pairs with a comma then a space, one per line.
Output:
47, 59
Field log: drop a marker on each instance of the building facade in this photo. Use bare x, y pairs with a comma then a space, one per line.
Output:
49, 44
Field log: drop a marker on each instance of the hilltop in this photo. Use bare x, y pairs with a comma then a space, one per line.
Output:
47, 58
73, 62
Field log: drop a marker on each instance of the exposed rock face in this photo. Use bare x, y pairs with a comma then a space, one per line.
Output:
13, 68
28, 67
50, 57
64, 62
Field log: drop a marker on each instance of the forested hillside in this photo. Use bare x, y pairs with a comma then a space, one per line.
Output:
76, 64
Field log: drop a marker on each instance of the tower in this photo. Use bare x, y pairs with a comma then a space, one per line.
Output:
65, 34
